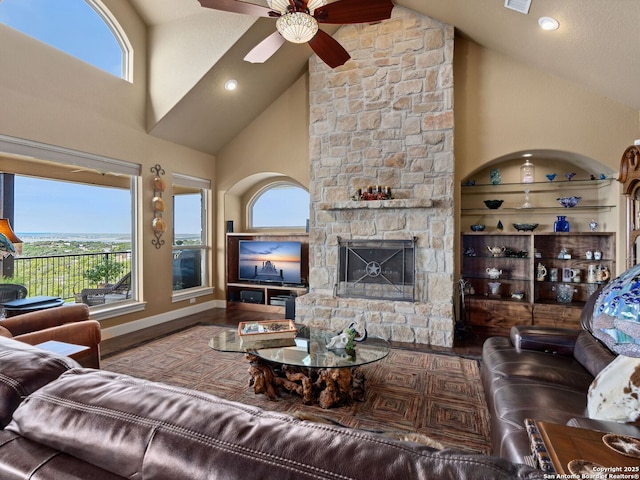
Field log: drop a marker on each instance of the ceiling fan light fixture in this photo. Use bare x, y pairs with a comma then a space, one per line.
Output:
297, 27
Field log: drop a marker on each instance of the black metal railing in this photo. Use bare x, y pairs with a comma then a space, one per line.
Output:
63, 275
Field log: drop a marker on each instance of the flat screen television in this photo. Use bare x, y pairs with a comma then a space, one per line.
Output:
269, 261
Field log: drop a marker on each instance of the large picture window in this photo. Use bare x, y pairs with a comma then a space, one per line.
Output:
190, 239
76, 225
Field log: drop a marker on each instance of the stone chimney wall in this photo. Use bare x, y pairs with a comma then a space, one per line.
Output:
384, 118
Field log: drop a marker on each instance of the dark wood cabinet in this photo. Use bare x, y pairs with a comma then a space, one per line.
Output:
263, 296
508, 277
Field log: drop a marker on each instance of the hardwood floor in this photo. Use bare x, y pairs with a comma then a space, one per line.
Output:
470, 345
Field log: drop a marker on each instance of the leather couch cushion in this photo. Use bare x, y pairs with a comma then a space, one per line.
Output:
591, 353
23, 370
140, 429
515, 399
22, 459
500, 359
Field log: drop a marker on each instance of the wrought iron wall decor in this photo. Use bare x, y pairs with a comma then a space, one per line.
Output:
158, 205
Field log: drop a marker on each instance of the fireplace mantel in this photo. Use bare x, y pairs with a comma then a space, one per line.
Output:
378, 204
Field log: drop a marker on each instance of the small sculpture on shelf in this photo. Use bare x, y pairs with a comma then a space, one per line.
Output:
593, 225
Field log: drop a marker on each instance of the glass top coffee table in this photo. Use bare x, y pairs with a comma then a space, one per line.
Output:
305, 366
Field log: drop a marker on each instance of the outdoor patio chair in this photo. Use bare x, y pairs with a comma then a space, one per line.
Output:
96, 296
12, 291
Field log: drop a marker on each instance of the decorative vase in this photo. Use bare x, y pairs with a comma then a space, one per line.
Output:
561, 225
527, 172
494, 176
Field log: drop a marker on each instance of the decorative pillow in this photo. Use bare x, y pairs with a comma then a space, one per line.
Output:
5, 333
615, 393
616, 315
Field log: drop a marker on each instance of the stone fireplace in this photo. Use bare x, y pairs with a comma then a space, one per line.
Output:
385, 118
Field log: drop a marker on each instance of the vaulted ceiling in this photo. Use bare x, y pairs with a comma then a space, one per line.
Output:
194, 50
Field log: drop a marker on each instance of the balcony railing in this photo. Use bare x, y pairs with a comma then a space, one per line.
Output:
62, 275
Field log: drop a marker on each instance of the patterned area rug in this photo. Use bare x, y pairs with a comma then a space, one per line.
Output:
435, 395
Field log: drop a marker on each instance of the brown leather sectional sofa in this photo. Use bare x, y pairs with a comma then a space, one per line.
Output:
542, 373
63, 422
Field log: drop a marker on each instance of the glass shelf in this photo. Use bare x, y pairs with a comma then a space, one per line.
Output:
512, 210
556, 183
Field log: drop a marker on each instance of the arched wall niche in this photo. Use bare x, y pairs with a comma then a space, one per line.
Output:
545, 161
607, 193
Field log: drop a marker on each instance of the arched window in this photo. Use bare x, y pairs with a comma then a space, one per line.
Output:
82, 29
280, 204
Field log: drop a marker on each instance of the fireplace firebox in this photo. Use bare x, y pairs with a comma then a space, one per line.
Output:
376, 269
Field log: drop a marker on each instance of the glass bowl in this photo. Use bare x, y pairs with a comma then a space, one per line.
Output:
569, 202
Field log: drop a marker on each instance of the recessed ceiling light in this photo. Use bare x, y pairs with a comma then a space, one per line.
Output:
230, 85
548, 23
526, 155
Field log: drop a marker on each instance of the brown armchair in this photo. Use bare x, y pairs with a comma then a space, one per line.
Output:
69, 323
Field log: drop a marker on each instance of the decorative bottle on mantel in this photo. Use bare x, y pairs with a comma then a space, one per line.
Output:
561, 224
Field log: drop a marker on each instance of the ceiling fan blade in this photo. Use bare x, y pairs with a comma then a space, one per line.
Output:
265, 49
328, 49
354, 11
238, 6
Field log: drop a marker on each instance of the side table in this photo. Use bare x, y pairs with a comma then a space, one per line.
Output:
70, 350
578, 447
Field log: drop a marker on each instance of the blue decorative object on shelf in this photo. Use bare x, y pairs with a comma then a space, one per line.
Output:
551, 176
561, 224
570, 175
495, 176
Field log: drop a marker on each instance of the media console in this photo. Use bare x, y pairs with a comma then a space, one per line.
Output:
268, 296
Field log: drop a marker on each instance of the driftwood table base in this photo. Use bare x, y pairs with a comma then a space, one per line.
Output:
328, 387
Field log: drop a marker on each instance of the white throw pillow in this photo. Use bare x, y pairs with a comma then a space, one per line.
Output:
615, 393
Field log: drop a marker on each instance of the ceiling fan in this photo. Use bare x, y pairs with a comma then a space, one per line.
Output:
297, 21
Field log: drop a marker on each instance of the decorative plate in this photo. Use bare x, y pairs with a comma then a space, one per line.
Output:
158, 225
158, 184
158, 204
627, 446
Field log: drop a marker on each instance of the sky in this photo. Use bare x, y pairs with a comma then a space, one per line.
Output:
74, 27
69, 25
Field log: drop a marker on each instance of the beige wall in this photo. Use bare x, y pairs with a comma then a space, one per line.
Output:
274, 146
503, 106
52, 98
